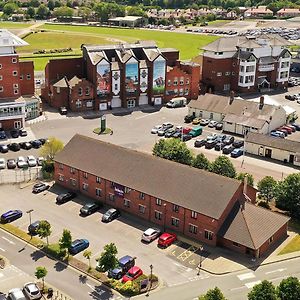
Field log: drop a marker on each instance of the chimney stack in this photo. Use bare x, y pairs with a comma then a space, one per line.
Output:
261, 102
231, 97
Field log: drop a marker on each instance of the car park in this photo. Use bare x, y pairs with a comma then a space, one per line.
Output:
166, 239
132, 274
221, 137
40, 160
2, 163
22, 132
25, 145
21, 162
189, 118
237, 152
212, 124
36, 144
156, 128
32, 291
124, 264
14, 133
199, 143
4, 148
196, 121
33, 227
238, 143
40, 187
110, 215
2, 135
65, 197
90, 208
78, 245
11, 163
16, 294
14, 147
150, 234
227, 149
11, 215
31, 161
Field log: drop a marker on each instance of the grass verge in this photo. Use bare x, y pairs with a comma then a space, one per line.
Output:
98, 131
292, 246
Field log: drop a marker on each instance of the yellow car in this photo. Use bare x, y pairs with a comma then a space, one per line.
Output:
196, 121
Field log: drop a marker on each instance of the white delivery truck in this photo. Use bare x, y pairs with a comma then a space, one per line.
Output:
176, 102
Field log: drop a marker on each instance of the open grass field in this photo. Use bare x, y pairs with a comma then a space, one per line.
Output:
14, 25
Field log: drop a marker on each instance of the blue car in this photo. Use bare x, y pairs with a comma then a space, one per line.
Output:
11, 215
124, 264
78, 246
2, 135
237, 152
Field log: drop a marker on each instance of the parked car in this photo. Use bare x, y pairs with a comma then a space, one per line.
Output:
65, 197
212, 124
40, 187
14, 133
11, 215
186, 130
43, 140
11, 163
31, 161
177, 135
156, 128
228, 149
3, 148
186, 137
297, 126
211, 137
169, 133
21, 162
237, 152
204, 122
32, 291
124, 264
199, 143
78, 246
167, 125
89, 208
228, 140
277, 134
166, 239
16, 294
2, 296
40, 160
36, 144
238, 143
33, 227
189, 118
2, 163
210, 144
14, 147
289, 130
110, 215
162, 131
63, 110
2, 135
196, 131
219, 146
219, 126
196, 121
284, 131
132, 274
150, 234
22, 132
291, 126
221, 137
25, 145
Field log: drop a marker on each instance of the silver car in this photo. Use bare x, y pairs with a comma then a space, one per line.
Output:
31, 161
32, 291
155, 129
2, 163
16, 294
21, 162
150, 234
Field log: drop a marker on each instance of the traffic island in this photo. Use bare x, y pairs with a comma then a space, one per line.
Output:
2, 262
105, 131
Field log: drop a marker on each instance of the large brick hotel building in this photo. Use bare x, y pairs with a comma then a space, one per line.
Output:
209, 208
125, 75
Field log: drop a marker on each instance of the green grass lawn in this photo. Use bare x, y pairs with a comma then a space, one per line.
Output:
14, 25
292, 246
218, 22
187, 44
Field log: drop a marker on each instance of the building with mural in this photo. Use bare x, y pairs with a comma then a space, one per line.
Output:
124, 75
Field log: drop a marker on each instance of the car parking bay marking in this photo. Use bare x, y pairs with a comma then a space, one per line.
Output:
187, 253
2, 249
6, 239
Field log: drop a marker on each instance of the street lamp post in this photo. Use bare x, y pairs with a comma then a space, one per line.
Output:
165, 210
150, 286
200, 261
29, 213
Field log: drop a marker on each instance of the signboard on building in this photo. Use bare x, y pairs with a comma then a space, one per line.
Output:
103, 78
159, 76
131, 77
119, 190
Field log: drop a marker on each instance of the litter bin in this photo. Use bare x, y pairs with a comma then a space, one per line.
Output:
50, 292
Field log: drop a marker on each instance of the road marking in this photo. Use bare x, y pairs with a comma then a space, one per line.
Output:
246, 276
187, 253
2, 249
6, 239
100, 293
1, 275
147, 115
250, 285
275, 271
238, 288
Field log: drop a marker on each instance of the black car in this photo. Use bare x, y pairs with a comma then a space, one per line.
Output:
228, 140
43, 141
177, 135
11, 215
63, 110
14, 147
219, 126
219, 146
15, 133
25, 145
110, 215
22, 132
189, 118
186, 137
65, 197
89, 208
33, 227
3, 148
169, 133
210, 144
11, 163
199, 143
228, 149
238, 144
221, 137
290, 97
297, 126
40, 187
2, 135
36, 144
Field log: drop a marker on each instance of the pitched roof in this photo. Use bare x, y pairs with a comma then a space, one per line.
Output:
251, 225
75, 80
278, 143
195, 189
9, 39
61, 83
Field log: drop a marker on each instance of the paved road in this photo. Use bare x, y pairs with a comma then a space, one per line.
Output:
26, 259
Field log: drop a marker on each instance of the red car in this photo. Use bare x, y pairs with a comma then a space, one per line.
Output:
166, 239
132, 274
288, 129
186, 130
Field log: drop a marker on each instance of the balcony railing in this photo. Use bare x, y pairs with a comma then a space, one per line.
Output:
10, 114
265, 68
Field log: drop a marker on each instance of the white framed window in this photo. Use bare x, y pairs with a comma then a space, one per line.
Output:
175, 82
250, 69
78, 104
85, 186
16, 86
73, 181
1, 77
242, 68
227, 73
61, 166
85, 175
157, 215
1, 88
285, 64
194, 214
208, 235
142, 195
126, 203
21, 77
60, 177
271, 239
169, 82
80, 91
87, 91
193, 228
16, 91
175, 222
187, 81
98, 192
72, 170
111, 197
15, 73
142, 208
28, 76
249, 79
158, 201
241, 79
0, 66
181, 81
175, 208
98, 179
226, 86
14, 60
284, 74
127, 190
219, 74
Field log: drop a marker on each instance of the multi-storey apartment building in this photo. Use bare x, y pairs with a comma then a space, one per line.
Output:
17, 100
125, 75
203, 206
246, 64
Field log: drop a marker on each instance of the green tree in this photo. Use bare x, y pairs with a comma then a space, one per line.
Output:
42, 12
108, 259
267, 188
84, 12
223, 166
51, 5
30, 12
51, 148
63, 11
289, 289
10, 8
201, 162
40, 273
173, 149
263, 291
66, 240
250, 178
87, 254
213, 294
288, 194
34, 3
44, 230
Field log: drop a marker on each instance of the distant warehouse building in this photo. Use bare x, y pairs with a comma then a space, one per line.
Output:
127, 21
271, 147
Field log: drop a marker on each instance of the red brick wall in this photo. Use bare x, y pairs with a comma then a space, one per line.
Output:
10, 124
27, 75
59, 99
228, 244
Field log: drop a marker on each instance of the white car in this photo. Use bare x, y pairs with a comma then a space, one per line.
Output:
2, 163
150, 234
298, 101
32, 291
21, 162
212, 137
16, 294
40, 160
31, 161
155, 129
212, 123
